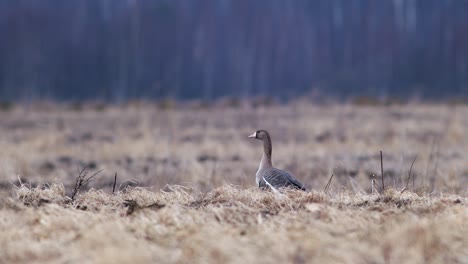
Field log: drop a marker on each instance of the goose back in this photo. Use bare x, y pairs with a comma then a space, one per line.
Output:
276, 178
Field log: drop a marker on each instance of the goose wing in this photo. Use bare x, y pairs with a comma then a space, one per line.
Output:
275, 178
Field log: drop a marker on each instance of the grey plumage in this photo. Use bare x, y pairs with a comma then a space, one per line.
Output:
278, 178
267, 176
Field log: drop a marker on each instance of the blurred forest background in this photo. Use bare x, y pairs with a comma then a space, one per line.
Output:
121, 49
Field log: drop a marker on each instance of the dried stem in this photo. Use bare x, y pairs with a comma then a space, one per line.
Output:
327, 187
115, 181
409, 173
374, 186
381, 170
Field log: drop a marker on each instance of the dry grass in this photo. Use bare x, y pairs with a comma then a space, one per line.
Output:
230, 224
210, 212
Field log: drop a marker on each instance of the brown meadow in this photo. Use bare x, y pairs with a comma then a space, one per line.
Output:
186, 174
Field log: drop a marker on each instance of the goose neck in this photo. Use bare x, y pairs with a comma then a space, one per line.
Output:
267, 151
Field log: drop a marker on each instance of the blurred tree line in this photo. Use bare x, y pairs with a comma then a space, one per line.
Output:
119, 49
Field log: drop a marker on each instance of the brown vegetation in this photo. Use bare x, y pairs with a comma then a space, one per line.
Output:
197, 201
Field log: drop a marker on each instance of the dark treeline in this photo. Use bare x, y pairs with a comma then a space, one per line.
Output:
118, 49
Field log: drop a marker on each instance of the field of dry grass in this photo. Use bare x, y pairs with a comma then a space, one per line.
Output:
185, 188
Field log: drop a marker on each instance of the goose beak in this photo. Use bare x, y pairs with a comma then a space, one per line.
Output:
254, 135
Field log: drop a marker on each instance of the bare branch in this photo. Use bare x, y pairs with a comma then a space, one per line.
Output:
82, 180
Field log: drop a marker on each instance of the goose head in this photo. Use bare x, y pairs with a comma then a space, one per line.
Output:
260, 134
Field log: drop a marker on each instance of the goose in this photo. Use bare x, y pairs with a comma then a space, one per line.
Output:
268, 176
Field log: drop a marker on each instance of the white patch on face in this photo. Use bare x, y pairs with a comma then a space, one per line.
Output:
254, 135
